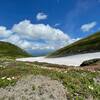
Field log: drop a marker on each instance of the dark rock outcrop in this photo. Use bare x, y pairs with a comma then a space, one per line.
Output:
90, 62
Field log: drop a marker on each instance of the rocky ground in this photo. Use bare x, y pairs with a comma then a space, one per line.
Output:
34, 88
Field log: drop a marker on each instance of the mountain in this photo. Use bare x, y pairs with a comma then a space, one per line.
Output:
87, 45
37, 53
8, 49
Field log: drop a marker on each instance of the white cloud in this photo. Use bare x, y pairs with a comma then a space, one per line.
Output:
36, 36
4, 32
74, 40
88, 27
53, 38
35, 45
41, 16
40, 31
43, 47
17, 40
57, 24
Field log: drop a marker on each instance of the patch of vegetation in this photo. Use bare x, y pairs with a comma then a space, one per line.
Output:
33, 87
10, 50
51, 65
86, 45
79, 83
6, 82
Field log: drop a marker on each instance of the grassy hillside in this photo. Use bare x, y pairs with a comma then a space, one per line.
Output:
86, 45
8, 49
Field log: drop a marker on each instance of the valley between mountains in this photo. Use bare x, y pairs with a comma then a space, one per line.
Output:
71, 73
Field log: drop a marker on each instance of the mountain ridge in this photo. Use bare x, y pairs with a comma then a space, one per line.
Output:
89, 44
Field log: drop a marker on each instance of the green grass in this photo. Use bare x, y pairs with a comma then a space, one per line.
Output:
33, 87
79, 84
8, 49
86, 45
5, 82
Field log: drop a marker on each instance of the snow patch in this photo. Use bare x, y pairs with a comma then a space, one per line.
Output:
74, 60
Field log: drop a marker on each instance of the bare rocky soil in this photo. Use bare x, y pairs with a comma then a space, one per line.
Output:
34, 88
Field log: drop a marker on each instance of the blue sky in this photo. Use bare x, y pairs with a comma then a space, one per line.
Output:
47, 24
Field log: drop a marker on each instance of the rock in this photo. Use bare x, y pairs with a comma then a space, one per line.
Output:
90, 62
97, 80
44, 89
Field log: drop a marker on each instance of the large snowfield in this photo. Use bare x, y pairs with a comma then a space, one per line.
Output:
74, 60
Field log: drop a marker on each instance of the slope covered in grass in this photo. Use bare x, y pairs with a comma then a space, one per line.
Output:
87, 45
8, 49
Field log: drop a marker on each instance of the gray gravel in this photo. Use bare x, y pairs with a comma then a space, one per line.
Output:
34, 88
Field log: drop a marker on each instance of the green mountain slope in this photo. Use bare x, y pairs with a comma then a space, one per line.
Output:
86, 45
8, 49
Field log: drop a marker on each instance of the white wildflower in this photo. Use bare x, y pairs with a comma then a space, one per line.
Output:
13, 77
65, 71
3, 78
90, 87
9, 78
